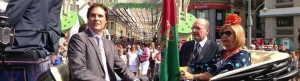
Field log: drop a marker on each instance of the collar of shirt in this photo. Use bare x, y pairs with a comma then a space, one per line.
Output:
95, 34
202, 42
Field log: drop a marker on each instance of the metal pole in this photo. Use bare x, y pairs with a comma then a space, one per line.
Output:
250, 23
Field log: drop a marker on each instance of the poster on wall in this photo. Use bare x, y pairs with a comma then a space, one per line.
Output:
219, 16
287, 41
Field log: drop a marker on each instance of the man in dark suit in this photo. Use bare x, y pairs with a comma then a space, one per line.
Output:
190, 53
54, 26
92, 57
36, 24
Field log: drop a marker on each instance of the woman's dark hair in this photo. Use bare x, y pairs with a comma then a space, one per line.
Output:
97, 5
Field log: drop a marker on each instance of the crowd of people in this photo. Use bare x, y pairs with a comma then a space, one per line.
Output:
141, 58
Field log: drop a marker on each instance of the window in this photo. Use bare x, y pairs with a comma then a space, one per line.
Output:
108, 25
112, 25
285, 32
77, 8
259, 22
285, 21
284, 1
220, 17
259, 35
240, 2
202, 14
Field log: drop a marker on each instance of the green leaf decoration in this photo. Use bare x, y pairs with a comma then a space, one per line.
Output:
81, 21
184, 26
67, 22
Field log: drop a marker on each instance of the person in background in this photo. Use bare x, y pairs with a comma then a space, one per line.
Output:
133, 59
121, 53
139, 49
233, 57
275, 48
140, 52
153, 52
298, 60
144, 58
283, 49
293, 64
157, 58
252, 47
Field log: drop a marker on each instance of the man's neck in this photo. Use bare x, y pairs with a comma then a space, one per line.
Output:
100, 32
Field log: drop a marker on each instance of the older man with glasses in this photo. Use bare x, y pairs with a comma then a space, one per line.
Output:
199, 50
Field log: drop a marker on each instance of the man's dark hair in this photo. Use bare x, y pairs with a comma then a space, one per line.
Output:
82, 27
97, 5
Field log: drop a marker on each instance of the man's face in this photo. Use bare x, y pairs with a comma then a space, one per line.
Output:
97, 19
200, 30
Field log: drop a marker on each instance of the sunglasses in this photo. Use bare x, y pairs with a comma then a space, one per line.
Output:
227, 33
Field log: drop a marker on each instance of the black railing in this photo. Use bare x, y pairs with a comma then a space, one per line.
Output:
202, 1
284, 1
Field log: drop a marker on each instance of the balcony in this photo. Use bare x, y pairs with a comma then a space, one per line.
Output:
209, 1
284, 1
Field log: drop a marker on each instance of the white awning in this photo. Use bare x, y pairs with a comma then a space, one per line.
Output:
3, 5
280, 12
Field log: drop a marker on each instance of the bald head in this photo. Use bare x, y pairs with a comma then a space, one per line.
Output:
200, 29
202, 22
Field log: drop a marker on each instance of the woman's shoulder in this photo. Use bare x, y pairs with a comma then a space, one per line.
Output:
242, 54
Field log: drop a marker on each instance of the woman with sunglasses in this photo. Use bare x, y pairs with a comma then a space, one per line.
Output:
233, 57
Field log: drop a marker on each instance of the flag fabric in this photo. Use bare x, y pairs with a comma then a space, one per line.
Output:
169, 70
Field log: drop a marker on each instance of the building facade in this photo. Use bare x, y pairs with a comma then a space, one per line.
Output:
281, 19
216, 12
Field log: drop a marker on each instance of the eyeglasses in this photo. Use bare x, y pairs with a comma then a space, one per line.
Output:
198, 28
227, 33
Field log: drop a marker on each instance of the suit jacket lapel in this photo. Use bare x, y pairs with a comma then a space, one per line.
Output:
94, 44
205, 50
190, 51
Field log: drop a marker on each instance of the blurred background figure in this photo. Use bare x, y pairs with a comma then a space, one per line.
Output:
252, 47
121, 53
144, 58
140, 52
275, 48
293, 63
283, 49
153, 52
133, 60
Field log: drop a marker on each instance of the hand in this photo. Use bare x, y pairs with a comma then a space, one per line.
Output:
53, 58
205, 76
184, 75
189, 69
